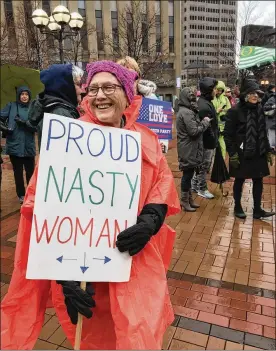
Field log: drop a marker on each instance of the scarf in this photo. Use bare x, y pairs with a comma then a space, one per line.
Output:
255, 142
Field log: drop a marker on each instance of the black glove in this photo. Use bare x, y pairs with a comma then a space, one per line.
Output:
26, 125
4, 127
19, 121
77, 300
135, 238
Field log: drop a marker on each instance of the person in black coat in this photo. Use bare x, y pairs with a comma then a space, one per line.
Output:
247, 144
269, 92
270, 113
61, 95
210, 136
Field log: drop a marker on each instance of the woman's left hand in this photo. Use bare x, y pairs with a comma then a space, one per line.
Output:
135, 238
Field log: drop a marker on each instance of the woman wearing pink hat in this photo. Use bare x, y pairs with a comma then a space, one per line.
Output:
123, 316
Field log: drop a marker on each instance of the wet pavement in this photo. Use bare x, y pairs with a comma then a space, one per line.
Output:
221, 278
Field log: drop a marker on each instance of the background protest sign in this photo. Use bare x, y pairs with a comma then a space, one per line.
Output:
87, 192
157, 115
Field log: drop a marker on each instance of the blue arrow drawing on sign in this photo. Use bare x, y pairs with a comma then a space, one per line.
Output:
60, 259
105, 259
84, 267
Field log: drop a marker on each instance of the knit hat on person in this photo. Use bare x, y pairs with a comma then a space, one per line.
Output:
248, 86
125, 77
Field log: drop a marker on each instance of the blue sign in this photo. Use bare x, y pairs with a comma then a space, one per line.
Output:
157, 116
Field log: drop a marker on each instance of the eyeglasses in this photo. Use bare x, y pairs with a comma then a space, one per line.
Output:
108, 89
228, 92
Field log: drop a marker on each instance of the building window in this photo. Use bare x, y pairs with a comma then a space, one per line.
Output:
46, 6
29, 23
99, 25
145, 43
145, 27
171, 25
81, 7
114, 25
10, 22
158, 25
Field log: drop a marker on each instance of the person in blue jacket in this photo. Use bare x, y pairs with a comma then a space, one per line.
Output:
20, 140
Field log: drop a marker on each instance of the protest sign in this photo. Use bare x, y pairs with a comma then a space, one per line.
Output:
87, 192
157, 115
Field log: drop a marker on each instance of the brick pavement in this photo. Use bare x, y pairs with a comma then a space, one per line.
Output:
221, 278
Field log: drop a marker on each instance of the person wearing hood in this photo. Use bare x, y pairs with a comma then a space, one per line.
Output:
189, 144
248, 147
269, 92
270, 113
20, 142
123, 317
222, 105
61, 96
210, 136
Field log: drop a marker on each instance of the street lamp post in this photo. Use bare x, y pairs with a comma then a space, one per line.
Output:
55, 25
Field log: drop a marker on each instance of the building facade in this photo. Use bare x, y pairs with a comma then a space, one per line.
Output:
208, 39
102, 22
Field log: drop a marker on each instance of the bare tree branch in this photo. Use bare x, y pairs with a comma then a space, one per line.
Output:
135, 28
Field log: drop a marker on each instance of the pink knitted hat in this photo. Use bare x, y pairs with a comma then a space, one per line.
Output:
125, 77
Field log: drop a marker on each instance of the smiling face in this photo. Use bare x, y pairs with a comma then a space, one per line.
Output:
24, 97
107, 107
253, 97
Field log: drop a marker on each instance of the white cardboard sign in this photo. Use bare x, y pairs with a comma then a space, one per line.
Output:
87, 192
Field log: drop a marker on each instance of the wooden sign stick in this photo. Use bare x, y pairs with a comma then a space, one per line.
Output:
79, 325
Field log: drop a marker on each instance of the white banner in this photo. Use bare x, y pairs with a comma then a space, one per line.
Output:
87, 192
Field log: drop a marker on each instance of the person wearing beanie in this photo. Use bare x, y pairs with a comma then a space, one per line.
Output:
131, 315
210, 136
248, 147
231, 98
20, 141
61, 95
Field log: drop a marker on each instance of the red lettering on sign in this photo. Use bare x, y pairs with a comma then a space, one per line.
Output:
105, 227
71, 230
44, 228
83, 232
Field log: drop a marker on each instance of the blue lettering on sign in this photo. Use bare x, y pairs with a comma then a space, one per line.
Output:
157, 116
95, 142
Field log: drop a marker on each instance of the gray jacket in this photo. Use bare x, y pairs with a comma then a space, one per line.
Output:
270, 112
189, 132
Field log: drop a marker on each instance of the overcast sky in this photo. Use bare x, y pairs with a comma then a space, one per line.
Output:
264, 13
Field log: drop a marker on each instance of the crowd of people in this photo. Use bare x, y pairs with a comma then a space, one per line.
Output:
241, 123
119, 315
64, 95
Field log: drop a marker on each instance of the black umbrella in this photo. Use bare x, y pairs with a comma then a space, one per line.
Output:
219, 173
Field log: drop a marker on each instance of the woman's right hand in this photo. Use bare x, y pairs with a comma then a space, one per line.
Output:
77, 300
207, 119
